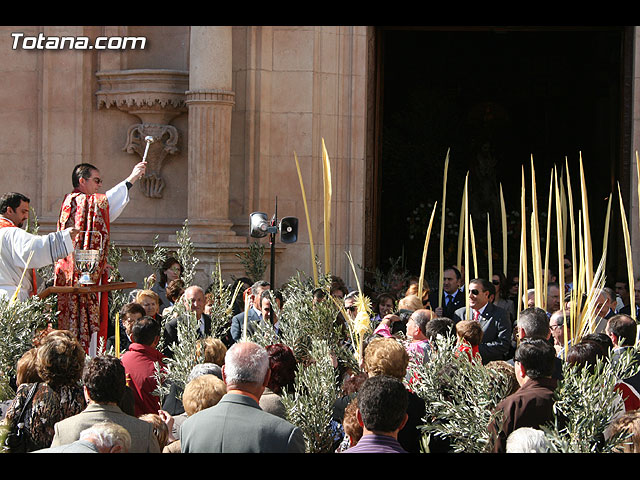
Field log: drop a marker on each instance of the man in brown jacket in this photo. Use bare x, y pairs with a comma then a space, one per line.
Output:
532, 404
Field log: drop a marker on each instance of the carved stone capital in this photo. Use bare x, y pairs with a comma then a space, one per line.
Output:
217, 97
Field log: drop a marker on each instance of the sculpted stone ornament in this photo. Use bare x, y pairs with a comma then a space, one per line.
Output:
155, 96
165, 140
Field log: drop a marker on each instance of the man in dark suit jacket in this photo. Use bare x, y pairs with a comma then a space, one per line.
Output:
623, 292
626, 310
254, 314
496, 326
195, 301
452, 297
237, 424
612, 302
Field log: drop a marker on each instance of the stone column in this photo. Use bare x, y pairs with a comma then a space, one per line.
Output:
210, 101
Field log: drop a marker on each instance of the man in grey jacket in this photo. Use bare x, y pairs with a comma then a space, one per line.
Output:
104, 387
237, 424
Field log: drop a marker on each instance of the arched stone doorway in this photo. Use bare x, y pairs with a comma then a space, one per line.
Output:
494, 97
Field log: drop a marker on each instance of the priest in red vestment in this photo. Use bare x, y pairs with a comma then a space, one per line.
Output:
91, 213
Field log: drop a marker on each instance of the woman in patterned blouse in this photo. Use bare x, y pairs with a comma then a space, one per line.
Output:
60, 361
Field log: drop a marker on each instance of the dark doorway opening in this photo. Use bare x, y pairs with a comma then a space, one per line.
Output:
495, 98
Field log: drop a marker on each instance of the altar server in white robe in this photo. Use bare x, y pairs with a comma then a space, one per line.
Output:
21, 252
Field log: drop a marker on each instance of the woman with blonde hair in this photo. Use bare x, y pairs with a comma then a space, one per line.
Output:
150, 301
387, 356
410, 303
202, 392
214, 350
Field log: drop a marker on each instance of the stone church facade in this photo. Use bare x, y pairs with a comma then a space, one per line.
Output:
228, 107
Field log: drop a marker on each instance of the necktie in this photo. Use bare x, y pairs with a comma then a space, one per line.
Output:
476, 314
201, 326
449, 298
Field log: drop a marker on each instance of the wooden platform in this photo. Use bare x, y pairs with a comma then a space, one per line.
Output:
88, 289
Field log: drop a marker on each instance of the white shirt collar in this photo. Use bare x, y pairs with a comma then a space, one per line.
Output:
482, 309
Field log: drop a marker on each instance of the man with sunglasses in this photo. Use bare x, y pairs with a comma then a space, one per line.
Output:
350, 304
91, 213
496, 326
568, 274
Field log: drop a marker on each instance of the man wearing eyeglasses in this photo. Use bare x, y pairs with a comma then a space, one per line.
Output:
91, 213
496, 326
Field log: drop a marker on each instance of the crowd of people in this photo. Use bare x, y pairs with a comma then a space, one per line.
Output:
70, 397
68, 401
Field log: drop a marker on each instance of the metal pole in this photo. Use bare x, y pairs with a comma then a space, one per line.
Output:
272, 281
272, 240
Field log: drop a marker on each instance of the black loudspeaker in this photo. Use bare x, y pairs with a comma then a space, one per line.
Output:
258, 225
289, 230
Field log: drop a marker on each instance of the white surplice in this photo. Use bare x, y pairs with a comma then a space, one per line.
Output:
118, 197
16, 245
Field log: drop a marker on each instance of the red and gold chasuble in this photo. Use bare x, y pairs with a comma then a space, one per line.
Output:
84, 314
4, 223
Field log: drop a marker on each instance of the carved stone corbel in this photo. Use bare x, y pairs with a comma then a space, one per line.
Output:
165, 141
155, 97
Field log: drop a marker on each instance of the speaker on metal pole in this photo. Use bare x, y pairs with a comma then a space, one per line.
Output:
258, 225
289, 230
